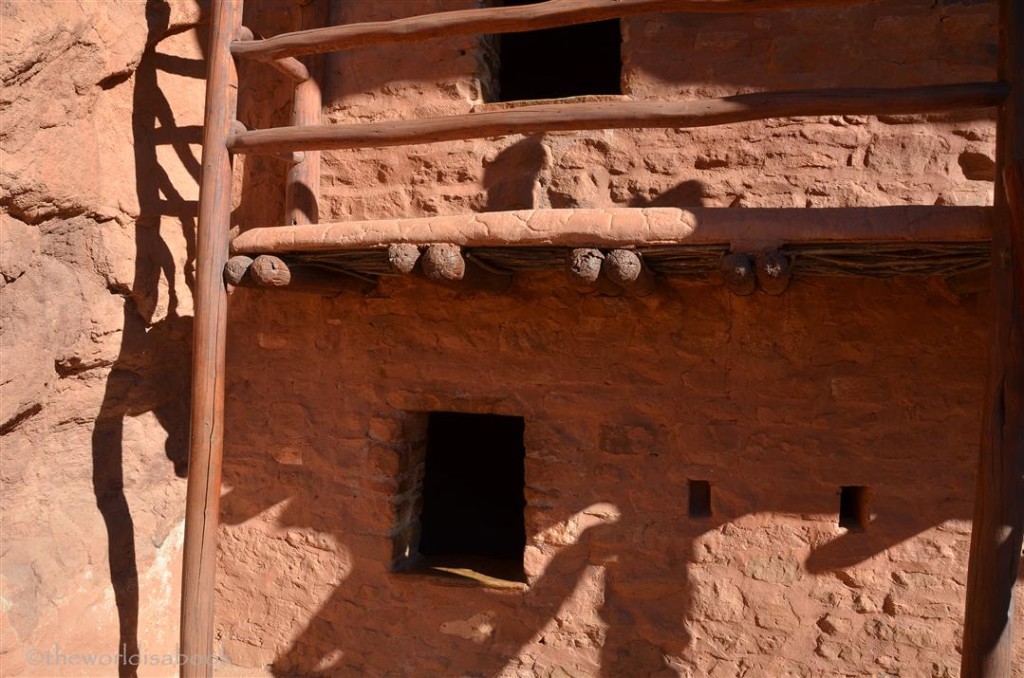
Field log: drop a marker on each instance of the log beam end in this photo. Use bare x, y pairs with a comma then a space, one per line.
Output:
738, 274
584, 265
774, 271
626, 269
444, 263
270, 271
236, 269
403, 257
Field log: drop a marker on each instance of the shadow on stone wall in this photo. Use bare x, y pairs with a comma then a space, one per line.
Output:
151, 372
645, 620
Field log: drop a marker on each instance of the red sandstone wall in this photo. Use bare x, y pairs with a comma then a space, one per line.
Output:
776, 401
100, 110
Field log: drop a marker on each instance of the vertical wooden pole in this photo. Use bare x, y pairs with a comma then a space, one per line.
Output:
207, 433
999, 500
303, 187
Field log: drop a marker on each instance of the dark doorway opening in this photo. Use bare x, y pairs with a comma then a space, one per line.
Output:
473, 498
560, 62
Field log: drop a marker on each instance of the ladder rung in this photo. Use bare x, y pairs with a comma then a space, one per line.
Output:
623, 115
551, 14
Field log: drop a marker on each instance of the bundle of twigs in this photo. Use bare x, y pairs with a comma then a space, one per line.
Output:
521, 258
888, 260
366, 262
684, 259
873, 260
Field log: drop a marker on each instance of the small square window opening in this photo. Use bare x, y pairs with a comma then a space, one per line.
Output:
853, 507
559, 62
700, 499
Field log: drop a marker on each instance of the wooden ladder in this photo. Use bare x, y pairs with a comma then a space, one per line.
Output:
999, 504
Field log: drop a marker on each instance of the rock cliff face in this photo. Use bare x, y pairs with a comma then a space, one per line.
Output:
101, 108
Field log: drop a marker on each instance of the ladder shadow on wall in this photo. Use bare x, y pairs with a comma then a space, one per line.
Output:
641, 629
152, 370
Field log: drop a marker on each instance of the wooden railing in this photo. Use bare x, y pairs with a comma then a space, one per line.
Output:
541, 15
999, 517
624, 115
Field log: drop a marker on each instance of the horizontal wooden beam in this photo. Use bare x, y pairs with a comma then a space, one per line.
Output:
619, 227
622, 115
479, 21
290, 67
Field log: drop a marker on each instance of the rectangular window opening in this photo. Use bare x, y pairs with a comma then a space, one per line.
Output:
472, 523
700, 499
559, 62
853, 507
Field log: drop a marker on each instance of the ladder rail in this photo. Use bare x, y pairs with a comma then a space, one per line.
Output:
206, 437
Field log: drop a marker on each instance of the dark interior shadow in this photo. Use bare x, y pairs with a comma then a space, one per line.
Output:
642, 629
152, 370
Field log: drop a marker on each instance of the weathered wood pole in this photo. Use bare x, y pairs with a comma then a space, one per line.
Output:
622, 115
206, 438
530, 17
999, 495
584, 265
302, 191
270, 271
633, 227
288, 66
443, 263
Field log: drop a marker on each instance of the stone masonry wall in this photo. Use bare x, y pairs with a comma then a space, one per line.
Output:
776, 401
